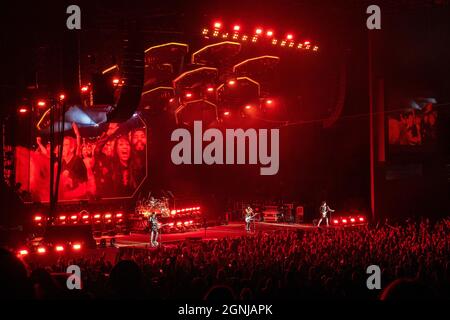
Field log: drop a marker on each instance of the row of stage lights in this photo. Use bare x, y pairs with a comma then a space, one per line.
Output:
348, 220
58, 248
82, 218
258, 34
84, 90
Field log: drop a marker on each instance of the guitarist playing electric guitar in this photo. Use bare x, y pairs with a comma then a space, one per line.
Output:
249, 217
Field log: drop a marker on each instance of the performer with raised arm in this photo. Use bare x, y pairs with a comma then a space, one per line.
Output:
249, 217
324, 210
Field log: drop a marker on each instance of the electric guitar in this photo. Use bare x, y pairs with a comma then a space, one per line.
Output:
250, 218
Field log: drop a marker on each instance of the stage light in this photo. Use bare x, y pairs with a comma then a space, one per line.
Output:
188, 95
97, 216
244, 38
289, 36
217, 24
23, 252
231, 82
179, 223
119, 215
254, 39
258, 31
361, 219
23, 110
37, 218
300, 45
307, 42
173, 212
269, 33
186, 223
237, 28
76, 246
42, 103
210, 89
62, 218
283, 43
344, 220
205, 31
116, 81
107, 216
352, 219
62, 96
41, 250
291, 44
248, 107
59, 248
215, 33
336, 221
274, 41
269, 102
225, 35
171, 224
226, 113
84, 89
74, 217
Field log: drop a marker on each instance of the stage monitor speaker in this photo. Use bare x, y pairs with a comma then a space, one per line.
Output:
68, 233
132, 75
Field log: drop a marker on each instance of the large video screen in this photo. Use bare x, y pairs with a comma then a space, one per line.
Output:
414, 126
95, 164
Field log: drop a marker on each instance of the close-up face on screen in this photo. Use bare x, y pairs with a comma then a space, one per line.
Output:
225, 158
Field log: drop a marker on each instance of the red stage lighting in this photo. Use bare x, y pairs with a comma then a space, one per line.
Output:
97, 216
37, 218
116, 81
179, 223
84, 89
344, 220
23, 252
23, 110
352, 219
336, 221
188, 95
258, 31
42, 103
269, 33
231, 82
210, 89
217, 24
41, 250
173, 212
248, 107
226, 113
186, 223
237, 28
119, 215
289, 36
269, 102
76, 247
59, 248
361, 219
74, 217
307, 42
62, 96
62, 218
107, 216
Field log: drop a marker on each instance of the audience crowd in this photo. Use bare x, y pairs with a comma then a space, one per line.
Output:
414, 259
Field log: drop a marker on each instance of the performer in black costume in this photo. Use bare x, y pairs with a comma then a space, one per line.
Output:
324, 210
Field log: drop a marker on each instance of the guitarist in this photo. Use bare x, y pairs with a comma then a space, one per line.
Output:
154, 229
249, 217
324, 210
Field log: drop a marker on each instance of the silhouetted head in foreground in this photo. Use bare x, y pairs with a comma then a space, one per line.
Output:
14, 281
407, 289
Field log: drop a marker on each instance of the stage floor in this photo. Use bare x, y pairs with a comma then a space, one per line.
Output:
232, 230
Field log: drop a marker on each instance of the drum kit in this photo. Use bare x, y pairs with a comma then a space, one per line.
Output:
145, 207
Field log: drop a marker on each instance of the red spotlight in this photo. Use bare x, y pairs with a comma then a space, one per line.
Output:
173, 212
269, 102
226, 113
179, 223
85, 217
289, 36
42, 103
217, 24
186, 223
84, 89
269, 33
107, 216
41, 250
336, 221
231, 82
97, 216
119, 215
62, 96
37, 218
62, 218
248, 107
307, 42
344, 220
237, 28
74, 217
352, 219
76, 247
23, 110
361, 219
210, 89
188, 95
59, 248
116, 81
258, 31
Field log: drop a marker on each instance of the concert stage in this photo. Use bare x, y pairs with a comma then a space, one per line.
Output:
232, 230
